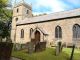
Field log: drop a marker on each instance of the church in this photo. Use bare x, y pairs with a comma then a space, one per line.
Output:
50, 28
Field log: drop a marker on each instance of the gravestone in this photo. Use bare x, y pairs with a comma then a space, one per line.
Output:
60, 45
58, 48
30, 47
41, 46
17, 47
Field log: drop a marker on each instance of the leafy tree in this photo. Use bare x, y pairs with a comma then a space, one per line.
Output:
5, 13
5, 19
3, 3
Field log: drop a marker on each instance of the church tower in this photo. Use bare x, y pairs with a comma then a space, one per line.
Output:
21, 11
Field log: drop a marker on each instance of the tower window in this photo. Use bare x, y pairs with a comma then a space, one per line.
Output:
17, 10
27, 12
16, 19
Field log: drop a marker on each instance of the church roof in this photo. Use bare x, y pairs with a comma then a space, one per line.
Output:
49, 17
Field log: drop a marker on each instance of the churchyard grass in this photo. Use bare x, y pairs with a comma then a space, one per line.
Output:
48, 54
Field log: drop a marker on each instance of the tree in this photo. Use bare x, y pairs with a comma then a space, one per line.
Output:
3, 3
5, 13
5, 19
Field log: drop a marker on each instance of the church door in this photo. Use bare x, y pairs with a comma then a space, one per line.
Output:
37, 41
37, 37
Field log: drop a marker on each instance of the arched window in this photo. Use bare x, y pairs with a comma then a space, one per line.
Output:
31, 30
76, 31
58, 32
22, 33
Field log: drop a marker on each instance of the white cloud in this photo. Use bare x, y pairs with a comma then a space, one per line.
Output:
55, 5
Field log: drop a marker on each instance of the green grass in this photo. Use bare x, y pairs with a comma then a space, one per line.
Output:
48, 54
76, 53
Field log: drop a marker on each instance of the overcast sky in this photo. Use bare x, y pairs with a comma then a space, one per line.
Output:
51, 6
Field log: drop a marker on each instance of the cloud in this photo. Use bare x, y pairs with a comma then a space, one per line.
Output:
54, 5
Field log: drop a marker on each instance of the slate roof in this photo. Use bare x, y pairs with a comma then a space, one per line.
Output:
53, 16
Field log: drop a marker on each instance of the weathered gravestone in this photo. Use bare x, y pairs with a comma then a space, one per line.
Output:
41, 46
58, 48
17, 47
37, 47
30, 47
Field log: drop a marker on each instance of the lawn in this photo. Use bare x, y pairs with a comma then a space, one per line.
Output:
48, 54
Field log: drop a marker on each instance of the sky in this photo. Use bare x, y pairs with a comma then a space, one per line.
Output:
51, 6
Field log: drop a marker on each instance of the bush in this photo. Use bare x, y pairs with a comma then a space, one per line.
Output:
5, 50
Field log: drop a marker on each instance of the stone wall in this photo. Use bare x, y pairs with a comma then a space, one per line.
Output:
49, 27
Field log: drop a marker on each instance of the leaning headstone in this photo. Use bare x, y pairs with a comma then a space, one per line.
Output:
72, 53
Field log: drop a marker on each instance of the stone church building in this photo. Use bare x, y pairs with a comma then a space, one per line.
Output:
60, 26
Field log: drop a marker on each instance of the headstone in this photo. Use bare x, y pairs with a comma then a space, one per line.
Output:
62, 47
17, 46
42, 46
37, 47
58, 48
31, 48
